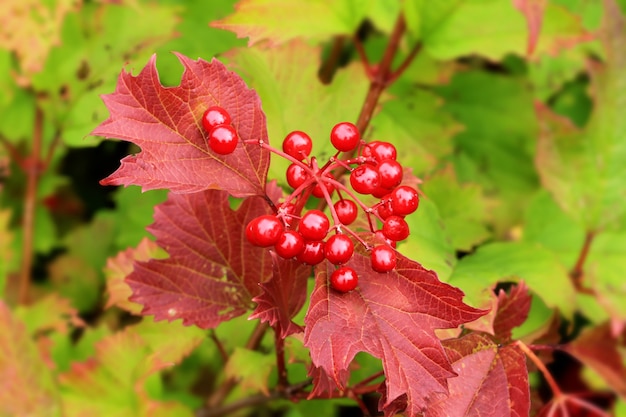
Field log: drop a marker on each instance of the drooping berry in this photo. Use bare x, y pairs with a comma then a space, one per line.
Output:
344, 279
312, 253
364, 179
314, 225
264, 230
223, 139
395, 228
296, 175
347, 211
339, 249
317, 190
404, 200
289, 244
390, 173
383, 258
215, 116
298, 145
380, 151
384, 210
345, 136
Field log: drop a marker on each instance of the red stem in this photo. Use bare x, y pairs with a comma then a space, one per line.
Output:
577, 273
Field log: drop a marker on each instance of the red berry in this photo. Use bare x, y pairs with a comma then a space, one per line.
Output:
296, 175
347, 211
339, 249
312, 253
317, 190
395, 228
404, 200
380, 151
364, 179
344, 279
390, 173
223, 139
383, 258
289, 244
314, 225
385, 210
298, 144
345, 136
264, 230
215, 116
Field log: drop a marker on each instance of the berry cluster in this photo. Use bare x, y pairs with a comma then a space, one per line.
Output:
291, 233
222, 135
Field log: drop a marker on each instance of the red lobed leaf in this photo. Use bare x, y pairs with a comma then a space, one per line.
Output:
513, 311
393, 317
165, 123
492, 380
283, 295
212, 273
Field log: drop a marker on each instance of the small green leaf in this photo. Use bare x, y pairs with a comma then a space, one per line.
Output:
251, 369
134, 210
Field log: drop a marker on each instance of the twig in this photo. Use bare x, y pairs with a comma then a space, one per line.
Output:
280, 360
328, 68
219, 345
577, 273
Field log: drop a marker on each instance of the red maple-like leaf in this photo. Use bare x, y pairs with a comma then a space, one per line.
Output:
283, 295
212, 273
513, 310
166, 123
492, 380
391, 316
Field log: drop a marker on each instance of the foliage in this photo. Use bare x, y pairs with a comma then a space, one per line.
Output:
506, 299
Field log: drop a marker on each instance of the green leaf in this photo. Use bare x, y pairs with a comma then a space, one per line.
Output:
585, 171
251, 369
513, 262
51, 313
133, 214
311, 19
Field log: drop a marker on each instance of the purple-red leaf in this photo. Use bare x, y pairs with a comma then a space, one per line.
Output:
393, 317
513, 310
492, 381
283, 295
166, 123
212, 273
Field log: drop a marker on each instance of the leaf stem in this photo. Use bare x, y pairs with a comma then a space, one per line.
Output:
279, 343
540, 365
577, 273
328, 68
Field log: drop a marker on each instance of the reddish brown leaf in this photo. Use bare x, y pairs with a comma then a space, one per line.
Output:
492, 381
283, 295
212, 273
602, 352
533, 11
513, 310
392, 317
165, 123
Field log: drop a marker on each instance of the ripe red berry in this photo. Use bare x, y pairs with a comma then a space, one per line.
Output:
215, 116
383, 258
404, 200
344, 279
296, 175
345, 136
380, 151
364, 179
289, 244
347, 211
317, 190
390, 173
223, 139
385, 210
314, 225
264, 230
298, 144
339, 249
395, 228
312, 253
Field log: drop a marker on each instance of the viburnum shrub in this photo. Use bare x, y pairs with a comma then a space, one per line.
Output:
240, 243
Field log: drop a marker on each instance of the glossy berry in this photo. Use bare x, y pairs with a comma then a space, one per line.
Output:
215, 116
383, 258
390, 173
380, 151
395, 228
296, 175
344, 279
404, 200
339, 249
298, 144
345, 136
223, 139
312, 253
317, 190
264, 230
347, 211
314, 225
385, 210
364, 179
289, 244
